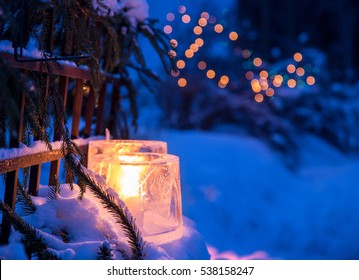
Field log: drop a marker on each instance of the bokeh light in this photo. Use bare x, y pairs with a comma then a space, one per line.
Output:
256, 87
167, 29
258, 98
186, 18
181, 64
300, 71
202, 65
249, 75
246, 54
310, 80
175, 73
211, 74
182, 82
197, 30
202, 22
224, 79
170, 17
233, 36
263, 74
298, 57
221, 85
257, 61
205, 15
199, 42
291, 83
189, 53
182, 9
270, 92
194, 47
291, 68
218, 28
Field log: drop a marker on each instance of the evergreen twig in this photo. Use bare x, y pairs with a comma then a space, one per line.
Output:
54, 190
25, 200
105, 252
35, 246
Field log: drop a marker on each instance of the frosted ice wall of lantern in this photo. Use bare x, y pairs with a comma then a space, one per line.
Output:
124, 146
149, 184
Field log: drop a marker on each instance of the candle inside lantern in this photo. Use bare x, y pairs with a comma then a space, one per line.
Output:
149, 184
125, 180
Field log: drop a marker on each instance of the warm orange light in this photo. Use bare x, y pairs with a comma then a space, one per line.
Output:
256, 87
197, 30
202, 22
167, 29
205, 15
298, 57
257, 61
233, 36
258, 98
211, 74
182, 82
218, 28
221, 85
300, 71
186, 18
202, 65
249, 75
189, 53
181, 64
170, 17
224, 79
199, 42
263, 74
278, 80
270, 92
291, 83
310, 80
291, 68
194, 47
264, 84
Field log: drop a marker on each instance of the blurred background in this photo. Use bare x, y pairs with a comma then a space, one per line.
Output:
263, 112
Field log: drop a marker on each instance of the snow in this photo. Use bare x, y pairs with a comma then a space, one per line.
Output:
135, 10
38, 147
247, 203
88, 226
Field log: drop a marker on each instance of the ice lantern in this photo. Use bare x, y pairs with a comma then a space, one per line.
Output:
149, 184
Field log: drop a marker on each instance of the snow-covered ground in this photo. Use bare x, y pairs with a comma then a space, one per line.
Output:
244, 199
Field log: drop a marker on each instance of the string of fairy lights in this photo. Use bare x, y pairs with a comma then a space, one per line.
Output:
263, 80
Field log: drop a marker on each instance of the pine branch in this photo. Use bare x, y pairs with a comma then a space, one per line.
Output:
105, 252
121, 215
25, 200
54, 190
34, 243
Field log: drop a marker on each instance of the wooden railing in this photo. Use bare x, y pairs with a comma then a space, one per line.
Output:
34, 160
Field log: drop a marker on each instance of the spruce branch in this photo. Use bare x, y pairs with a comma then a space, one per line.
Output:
118, 210
25, 200
105, 252
54, 190
34, 243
